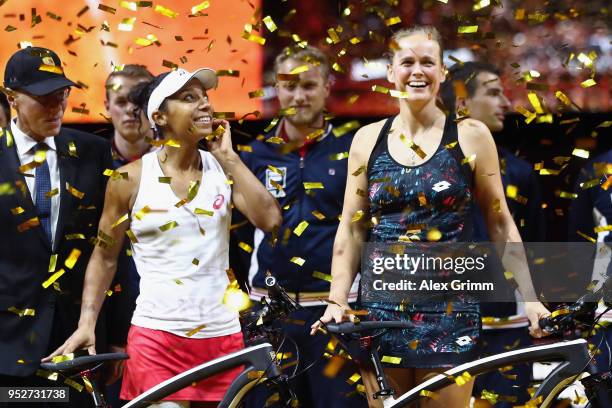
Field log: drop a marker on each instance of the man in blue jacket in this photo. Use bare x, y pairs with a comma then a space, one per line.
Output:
474, 89
303, 163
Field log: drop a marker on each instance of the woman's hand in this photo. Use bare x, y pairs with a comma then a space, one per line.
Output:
536, 311
335, 312
83, 337
220, 145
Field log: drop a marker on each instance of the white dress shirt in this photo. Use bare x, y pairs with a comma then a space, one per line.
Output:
26, 148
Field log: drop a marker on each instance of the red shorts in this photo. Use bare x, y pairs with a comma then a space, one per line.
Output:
157, 355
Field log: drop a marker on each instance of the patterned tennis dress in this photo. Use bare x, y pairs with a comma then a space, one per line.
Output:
414, 200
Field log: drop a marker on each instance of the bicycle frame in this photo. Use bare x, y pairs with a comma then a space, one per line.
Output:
259, 358
574, 353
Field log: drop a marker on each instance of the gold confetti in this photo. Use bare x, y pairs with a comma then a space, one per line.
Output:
357, 216
202, 6
142, 212
22, 312
565, 194
310, 185
345, 128
339, 156
535, 102
360, 170
588, 83
270, 25
463, 379
252, 37
106, 8
381, 89
245, 247
200, 211
165, 180
26, 225
321, 275
288, 111
78, 194
511, 191
123, 218
168, 226
131, 236
299, 70
416, 148
51, 68
467, 29
469, 159
297, 260
581, 153
165, 11
244, 148
130, 5
256, 94
53, 278
300, 228
126, 24
17, 210
392, 21
72, 258
318, 215
391, 360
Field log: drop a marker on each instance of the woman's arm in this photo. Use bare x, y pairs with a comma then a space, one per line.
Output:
248, 194
351, 231
475, 139
103, 261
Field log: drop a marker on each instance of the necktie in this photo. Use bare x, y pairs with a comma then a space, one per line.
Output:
42, 188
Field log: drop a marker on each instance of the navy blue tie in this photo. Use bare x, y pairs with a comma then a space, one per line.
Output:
42, 188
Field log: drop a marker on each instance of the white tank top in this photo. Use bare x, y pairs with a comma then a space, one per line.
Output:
182, 254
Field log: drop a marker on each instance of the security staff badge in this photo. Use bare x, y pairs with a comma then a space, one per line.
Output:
276, 181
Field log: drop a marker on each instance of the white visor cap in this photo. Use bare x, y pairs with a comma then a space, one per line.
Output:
173, 82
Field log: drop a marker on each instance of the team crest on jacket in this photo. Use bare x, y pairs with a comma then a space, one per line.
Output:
275, 182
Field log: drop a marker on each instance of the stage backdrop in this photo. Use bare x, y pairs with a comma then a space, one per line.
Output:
93, 37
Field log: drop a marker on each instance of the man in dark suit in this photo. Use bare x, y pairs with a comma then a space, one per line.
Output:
51, 196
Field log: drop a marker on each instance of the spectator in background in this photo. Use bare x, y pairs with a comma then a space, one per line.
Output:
474, 89
5, 111
128, 143
302, 162
592, 208
61, 199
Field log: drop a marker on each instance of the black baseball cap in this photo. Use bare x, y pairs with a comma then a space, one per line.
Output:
35, 70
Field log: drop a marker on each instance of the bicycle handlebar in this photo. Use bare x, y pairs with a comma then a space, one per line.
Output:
349, 327
562, 319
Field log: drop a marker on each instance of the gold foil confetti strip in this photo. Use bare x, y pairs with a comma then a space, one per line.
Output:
360, 170
194, 331
72, 258
131, 236
392, 21
511, 191
165, 180
469, 159
29, 166
22, 312
78, 194
130, 5
581, 153
588, 83
300, 228
380, 89
318, 215
467, 29
297, 260
252, 37
17, 210
26, 225
202, 6
357, 216
244, 148
51, 68
589, 184
142, 212
535, 102
463, 379
228, 72
168, 226
200, 211
195, 261
256, 94
123, 218
270, 25
339, 156
310, 185
299, 69
52, 263
399, 94
391, 360
345, 128
53, 278
313, 135
165, 11
51, 193
585, 236
288, 111
106, 8
126, 24
565, 194
245, 247
321, 275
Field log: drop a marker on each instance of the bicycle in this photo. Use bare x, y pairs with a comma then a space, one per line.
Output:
262, 367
